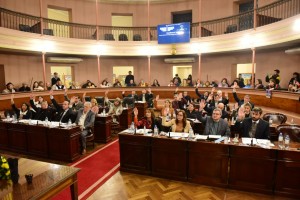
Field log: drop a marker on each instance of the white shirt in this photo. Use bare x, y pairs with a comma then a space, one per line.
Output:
82, 119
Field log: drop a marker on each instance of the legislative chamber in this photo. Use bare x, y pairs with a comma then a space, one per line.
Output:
132, 69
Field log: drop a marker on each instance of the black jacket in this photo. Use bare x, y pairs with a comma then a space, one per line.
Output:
60, 111
262, 129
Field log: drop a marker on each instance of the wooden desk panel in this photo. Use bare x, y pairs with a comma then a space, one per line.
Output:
135, 154
126, 118
208, 163
4, 144
102, 129
252, 169
141, 108
17, 137
37, 141
169, 158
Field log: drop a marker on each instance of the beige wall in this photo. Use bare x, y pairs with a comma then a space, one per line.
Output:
215, 67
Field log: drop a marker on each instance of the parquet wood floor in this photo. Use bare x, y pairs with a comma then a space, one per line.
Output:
136, 187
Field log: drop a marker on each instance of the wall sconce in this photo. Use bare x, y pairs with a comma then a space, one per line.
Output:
173, 50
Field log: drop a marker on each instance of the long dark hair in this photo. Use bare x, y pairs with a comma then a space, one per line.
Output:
27, 107
183, 120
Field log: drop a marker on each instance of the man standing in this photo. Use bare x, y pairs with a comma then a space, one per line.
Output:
85, 119
55, 78
128, 78
253, 127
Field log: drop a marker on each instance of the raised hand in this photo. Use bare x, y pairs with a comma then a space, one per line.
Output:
32, 97
123, 92
241, 113
202, 104
66, 91
12, 98
176, 90
106, 92
83, 96
135, 111
213, 90
226, 95
233, 89
149, 90
157, 97
51, 92
72, 100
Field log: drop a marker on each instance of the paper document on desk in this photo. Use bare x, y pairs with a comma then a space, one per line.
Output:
178, 135
141, 131
247, 141
193, 120
214, 136
201, 137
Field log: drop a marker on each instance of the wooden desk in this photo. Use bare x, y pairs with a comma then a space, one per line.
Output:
102, 129
126, 118
256, 169
48, 180
141, 106
54, 143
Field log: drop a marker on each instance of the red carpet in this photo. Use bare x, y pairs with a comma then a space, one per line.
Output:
95, 170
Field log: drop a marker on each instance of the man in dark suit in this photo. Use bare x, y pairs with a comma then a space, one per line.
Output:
214, 125
133, 94
128, 78
64, 113
85, 119
43, 112
55, 78
241, 102
146, 97
254, 127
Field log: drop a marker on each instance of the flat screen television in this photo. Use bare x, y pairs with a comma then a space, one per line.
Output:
173, 33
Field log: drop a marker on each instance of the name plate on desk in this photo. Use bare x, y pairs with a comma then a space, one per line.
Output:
178, 135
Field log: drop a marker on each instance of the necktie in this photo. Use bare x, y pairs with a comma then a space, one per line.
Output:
144, 99
253, 129
62, 115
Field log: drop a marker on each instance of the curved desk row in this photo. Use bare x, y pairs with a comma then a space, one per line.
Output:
271, 171
280, 99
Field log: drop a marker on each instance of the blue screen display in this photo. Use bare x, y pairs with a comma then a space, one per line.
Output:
173, 33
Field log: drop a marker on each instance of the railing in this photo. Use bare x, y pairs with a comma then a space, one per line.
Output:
277, 11
268, 14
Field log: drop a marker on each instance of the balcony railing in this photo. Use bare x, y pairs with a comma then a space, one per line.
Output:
268, 14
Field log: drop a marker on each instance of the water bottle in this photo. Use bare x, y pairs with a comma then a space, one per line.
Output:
155, 131
69, 122
132, 127
126, 105
191, 133
280, 141
270, 121
104, 111
46, 121
287, 141
8, 116
144, 130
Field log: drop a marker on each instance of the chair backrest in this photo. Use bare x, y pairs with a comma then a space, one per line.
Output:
128, 101
24, 27
100, 100
87, 98
231, 28
292, 130
278, 118
137, 37
109, 36
47, 31
123, 37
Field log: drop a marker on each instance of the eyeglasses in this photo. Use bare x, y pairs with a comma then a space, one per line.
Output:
179, 114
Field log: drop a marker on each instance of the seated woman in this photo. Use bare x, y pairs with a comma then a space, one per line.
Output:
115, 108
235, 84
90, 85
105, 83
198, 83
180, 124
117, 83
94, 104
74, 85
272, 85
247, 110
223, 83
148, 121
155, 83
24, 112
39, 102
258, 84
166, 108
142, 83
36, 86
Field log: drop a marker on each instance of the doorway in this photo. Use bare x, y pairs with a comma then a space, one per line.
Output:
60, 15
246, 71
120, 73
122, 20
65, 73
183, 16
183, 72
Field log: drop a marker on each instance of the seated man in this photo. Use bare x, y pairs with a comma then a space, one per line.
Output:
191, 112
42, 113
133, 94
254, 126
64, 113
115, 108
24, 88
241, 102
75, 102
146, 97
9, 88
214, 125
58, 86
85, 119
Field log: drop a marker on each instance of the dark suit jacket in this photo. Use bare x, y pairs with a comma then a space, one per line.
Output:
130, 95
41, 114
239, 101
222, 128
60, 111
17, 111
149, 99
89, 119
262, 129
